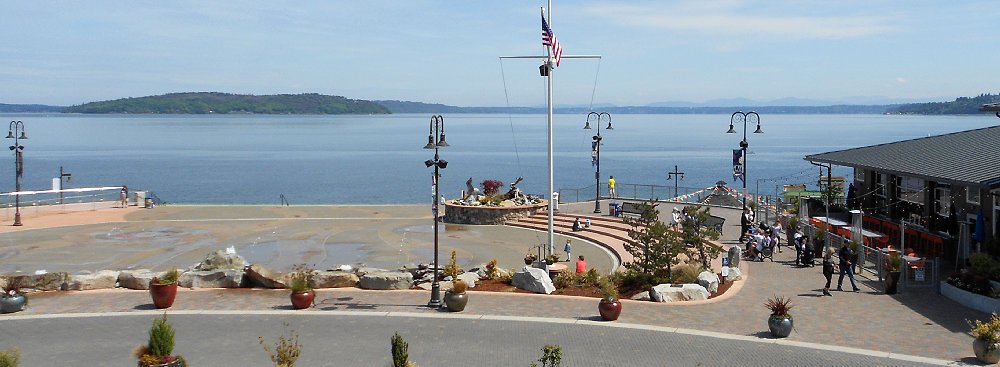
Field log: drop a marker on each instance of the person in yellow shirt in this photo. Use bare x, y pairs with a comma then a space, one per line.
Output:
611, 187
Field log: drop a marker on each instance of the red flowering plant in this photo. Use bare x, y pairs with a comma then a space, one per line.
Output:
491, 187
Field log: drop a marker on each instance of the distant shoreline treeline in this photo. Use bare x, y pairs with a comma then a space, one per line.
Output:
312, 103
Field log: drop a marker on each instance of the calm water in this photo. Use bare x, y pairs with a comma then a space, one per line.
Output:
378, 159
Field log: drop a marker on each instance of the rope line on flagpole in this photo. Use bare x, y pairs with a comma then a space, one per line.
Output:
510, 121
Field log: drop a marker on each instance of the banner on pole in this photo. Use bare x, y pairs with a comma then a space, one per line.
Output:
738, 165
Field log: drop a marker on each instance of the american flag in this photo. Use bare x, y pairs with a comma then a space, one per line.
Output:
549, 39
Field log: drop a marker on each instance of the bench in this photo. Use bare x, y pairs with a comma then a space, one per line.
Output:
715, 223
631, 208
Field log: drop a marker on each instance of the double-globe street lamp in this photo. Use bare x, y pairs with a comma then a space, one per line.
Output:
596, 149
12, 133
749, 116
435, 140
674, 175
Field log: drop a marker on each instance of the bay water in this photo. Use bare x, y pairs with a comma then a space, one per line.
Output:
333, 159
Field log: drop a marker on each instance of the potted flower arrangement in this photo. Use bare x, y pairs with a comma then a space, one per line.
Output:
609, 307
552, 259
300, 283
456, 298
780, 321
530, 258
163, 289
892, 263
987, 342
157, 352
13, 299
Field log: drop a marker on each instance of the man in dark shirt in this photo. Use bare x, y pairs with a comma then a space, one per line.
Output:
846, 260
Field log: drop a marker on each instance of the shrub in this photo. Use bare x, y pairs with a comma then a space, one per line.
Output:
400, 352
285, 351
452, 270
491, 269
609, 290
491, 187
986, 265
986, 331
779, 306
459, 286
161, 337
300, 278
168, 277
686, 273
551, 356
10, 357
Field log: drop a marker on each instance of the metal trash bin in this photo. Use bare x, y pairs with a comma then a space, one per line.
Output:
148, 204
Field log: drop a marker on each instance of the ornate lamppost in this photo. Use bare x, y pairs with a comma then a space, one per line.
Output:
12, 133
674, 175
68, 176
435, 140
596, 149
751, 116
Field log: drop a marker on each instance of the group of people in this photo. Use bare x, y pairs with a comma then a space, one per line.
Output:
760, 240
581, 263
580, 225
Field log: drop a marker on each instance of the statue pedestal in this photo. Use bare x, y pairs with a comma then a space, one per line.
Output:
462, 214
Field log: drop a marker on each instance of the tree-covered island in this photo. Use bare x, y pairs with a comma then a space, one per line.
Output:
223, 103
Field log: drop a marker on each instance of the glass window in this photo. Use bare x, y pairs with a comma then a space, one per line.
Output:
972, 195
911, 189
859, 175
942, 200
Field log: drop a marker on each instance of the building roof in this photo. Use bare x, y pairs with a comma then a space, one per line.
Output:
966, 157
990, 107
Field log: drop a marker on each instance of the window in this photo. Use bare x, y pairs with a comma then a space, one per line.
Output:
859, 175
881, 193
942, 200
910, 189
972, 195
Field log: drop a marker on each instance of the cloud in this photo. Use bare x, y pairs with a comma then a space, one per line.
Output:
901, 80
730, 19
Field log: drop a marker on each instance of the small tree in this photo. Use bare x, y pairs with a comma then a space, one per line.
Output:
551, 356
697, 235
654, 246
452, 270
400, 352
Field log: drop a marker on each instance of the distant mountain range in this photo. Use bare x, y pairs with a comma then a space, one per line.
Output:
312, 103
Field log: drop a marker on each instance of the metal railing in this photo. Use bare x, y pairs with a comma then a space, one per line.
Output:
627, 191
52, 203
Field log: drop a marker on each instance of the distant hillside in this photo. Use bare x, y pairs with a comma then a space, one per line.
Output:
209, 102
29, 108
960, 106
418, 107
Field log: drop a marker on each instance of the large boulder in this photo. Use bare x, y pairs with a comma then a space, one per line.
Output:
709, 280
334, 279
686, 292
734, 275
104, 279
386, 280
136, 279
734, 255
533, 279
221, 260
211, 279
263, 277
43, 282
469, 278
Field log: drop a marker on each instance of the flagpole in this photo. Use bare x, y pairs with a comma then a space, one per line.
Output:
548, 99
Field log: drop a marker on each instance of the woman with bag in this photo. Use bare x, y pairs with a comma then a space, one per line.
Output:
828, 270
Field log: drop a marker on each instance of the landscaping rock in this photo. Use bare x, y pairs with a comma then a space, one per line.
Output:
104, 279
641, 296
709, 280
362, 270
734, 256
334, 279
469, 278
686, 292
385, 280
43, 282
135, 279
533, 279
734, 275
220, 260
211, 279
260, 276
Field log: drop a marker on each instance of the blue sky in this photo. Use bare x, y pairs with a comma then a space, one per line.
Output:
71, 52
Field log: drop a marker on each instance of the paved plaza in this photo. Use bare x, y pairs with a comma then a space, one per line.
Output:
496, 329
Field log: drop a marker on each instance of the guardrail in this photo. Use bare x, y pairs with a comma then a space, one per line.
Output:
52, 203
626, 191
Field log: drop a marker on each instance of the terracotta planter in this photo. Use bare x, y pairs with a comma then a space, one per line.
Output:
175, 363
302, 300
610, 309
163, 294
455, 301
986, 352
780, 326
12, 303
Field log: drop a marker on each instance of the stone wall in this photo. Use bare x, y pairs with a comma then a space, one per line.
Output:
461, 214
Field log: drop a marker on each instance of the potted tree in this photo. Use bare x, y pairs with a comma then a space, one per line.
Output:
163, 289
300, 283
157, 352
530, 258
780, 320
456, 298
13, 299
987, 342
892, 263
609, 307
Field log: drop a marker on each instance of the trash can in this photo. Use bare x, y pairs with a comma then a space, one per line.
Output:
613, 209
555, 200
148, 204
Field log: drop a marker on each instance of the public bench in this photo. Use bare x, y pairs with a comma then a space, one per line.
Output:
715, 223
631, 208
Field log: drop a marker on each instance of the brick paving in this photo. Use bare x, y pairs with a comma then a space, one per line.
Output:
915, 322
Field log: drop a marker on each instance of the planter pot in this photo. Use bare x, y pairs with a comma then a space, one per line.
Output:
12, 304
986, 352
891, 281
455, 301
302, 300
780, 327
175, 363
163, 294
528, 261
610, 310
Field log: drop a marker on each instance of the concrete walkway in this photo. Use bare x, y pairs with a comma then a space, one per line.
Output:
915, 323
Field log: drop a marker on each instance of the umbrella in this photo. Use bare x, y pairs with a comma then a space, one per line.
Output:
978, 235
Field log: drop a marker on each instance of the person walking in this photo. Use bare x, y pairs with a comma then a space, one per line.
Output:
800, 244
124, 196
846, 260
776, 234
568, 249
611, 187
828, 270
581, 265
746, 221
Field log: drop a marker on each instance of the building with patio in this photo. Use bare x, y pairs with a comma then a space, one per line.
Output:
932, 185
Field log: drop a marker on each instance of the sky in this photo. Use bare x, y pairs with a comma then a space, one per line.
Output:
73, 52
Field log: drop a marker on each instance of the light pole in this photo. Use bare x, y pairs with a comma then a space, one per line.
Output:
68, 176
18, 149
596, 149
674, 175
743, 144
435, 140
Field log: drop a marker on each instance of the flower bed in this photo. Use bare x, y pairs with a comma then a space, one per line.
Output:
971, 300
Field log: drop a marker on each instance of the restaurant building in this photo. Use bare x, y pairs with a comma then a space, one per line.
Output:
933, 186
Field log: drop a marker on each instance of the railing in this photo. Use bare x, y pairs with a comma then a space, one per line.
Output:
52, 203
628, 191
